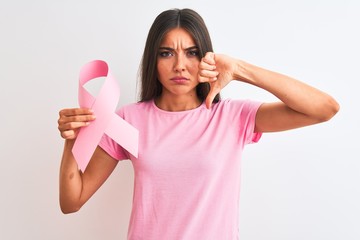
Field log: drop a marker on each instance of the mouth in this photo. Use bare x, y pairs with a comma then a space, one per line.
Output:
180, 79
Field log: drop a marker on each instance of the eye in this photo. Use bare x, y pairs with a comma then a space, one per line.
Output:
165, 54
194, 53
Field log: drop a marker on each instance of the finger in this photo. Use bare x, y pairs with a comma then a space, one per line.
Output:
206, 79
214, 90
67, 123
206, 66
209, 58
207, 76
70, 134
208, 73
75, 111
77, 118
72, 126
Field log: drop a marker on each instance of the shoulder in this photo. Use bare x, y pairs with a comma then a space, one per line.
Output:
236, 109
137, 105
237, 105
134, 109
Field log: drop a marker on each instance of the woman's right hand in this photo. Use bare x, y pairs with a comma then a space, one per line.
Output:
76, 188
72, 119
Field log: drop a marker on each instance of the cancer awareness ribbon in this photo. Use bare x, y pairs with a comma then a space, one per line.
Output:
107, 121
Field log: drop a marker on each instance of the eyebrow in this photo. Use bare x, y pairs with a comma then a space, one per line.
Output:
172, 49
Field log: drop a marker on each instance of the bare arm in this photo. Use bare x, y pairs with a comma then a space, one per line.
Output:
300, 104
76, 187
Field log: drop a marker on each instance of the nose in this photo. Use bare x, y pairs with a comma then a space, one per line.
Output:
179, 65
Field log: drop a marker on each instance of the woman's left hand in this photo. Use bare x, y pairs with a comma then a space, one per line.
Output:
218, 71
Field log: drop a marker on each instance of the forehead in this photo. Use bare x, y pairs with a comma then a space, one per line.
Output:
178, 37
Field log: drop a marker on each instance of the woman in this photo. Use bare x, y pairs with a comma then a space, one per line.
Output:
187, 174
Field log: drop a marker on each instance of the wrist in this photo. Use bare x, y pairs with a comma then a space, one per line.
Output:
68, 144
240, 71
244, 72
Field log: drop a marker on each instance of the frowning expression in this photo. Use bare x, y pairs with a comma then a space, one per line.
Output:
177, 63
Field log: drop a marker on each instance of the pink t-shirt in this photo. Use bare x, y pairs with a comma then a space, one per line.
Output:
187, 174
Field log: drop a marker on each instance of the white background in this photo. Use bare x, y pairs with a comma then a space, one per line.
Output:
301, 184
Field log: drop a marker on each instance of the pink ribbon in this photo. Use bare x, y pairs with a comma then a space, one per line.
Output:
107, 121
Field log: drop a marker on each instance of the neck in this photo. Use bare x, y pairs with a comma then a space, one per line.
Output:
177, 104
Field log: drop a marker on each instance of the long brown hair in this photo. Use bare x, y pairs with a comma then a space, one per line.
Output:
193, 23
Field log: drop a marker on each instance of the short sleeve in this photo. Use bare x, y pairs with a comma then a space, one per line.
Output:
251, 135
243, 112
112, 147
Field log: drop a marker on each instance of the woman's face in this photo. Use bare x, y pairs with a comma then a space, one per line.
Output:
177, 63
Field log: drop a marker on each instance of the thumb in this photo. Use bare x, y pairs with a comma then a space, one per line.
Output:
211, 95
